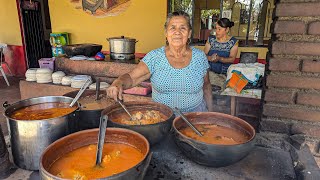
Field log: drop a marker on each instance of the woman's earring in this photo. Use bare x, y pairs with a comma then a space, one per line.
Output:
167, 42
189, 41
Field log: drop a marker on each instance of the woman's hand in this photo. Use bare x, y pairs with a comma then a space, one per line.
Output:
115, 91
214, 58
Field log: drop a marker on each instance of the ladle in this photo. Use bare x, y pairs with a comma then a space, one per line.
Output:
188, 122
82, 89
97, 88
101, 137
125, 108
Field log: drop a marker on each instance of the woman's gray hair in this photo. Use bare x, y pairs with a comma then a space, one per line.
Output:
176, 14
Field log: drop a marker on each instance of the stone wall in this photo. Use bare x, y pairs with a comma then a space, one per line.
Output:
292, 97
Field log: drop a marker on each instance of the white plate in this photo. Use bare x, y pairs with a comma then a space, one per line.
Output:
80, 57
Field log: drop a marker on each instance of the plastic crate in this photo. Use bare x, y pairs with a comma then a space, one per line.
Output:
47, 63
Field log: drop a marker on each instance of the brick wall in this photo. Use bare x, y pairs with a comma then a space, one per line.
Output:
292, 97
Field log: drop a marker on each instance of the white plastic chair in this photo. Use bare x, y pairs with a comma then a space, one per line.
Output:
2, 47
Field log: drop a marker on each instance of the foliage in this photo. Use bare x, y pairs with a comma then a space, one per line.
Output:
207, 13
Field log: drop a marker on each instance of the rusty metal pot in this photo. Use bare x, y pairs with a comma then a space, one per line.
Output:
29, 138
88, 118
213, 154
87, 137
153, 132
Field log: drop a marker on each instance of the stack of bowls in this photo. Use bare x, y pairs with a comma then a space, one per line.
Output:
66, 80
44, 75
57, 77
31, 74
79, 80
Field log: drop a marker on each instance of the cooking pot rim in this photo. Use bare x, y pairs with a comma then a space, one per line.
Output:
178, 118
122, 38
38, 120
144, 125
97, 129
117, 107
93, 91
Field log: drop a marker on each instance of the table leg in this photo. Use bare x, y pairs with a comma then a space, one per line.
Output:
4, 75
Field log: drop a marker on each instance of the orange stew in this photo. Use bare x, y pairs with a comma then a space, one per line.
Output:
214, 134
89, 102
140, 117
43, 111
80, 163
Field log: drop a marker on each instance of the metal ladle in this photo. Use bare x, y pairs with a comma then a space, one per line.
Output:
82, 89
125, 108
101, 138
97, 89
188, 122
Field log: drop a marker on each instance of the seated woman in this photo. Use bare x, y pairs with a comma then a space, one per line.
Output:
221, 49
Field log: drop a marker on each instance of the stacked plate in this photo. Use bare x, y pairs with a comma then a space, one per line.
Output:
57, 77
103, 85
44, 75
79, 80
66, 80
31, 74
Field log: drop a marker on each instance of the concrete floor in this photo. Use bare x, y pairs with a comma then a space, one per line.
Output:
8, 93
11, 94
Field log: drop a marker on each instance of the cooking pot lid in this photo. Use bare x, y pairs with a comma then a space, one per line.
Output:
123, 38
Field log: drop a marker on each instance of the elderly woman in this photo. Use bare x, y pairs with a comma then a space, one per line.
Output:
221, 49
178, 72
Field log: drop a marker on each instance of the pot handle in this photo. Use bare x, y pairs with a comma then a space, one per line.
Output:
5, 105
145, 168
189, 143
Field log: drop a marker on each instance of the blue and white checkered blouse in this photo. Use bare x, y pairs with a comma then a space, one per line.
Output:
182, 88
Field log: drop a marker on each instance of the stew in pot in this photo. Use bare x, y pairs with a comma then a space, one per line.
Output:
80, 163
215, 134
89, 102
43, 111
140, 117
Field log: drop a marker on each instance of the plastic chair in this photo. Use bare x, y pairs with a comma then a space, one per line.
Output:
2, 62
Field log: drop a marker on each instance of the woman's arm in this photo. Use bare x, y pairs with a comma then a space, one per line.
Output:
207, 90
206, 50
232, 56
128, 80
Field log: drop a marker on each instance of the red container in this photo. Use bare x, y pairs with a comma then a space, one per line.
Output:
143, 89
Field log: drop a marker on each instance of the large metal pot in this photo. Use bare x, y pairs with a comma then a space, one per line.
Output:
122, 45
212, 154
29, 138
88, 119
87, 137
153, 132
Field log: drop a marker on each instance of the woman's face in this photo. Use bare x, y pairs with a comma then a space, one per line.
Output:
177, 31
221, 31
